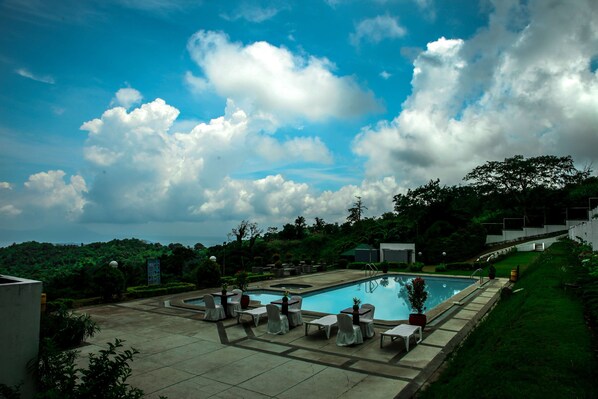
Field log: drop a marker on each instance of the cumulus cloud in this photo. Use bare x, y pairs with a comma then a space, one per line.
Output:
523, 85
376, 29
275, 83
38, 78
127, 97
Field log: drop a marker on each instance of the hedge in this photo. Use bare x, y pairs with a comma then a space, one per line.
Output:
145, 291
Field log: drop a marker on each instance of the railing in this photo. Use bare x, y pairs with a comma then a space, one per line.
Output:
481, 275
371, 270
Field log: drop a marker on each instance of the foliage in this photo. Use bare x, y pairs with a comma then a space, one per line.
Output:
508, 343
108, 282
208, 274
356, 301
66, 329
417, 294
241, 280
145, 291
356, 211
7, 392
416, 267
104, 379
491, 271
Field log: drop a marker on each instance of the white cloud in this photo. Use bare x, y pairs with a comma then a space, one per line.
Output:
127, 97
5, 185
385, 75
38, 78
520, 86
272, 81
376, 29
197, 85
252, 13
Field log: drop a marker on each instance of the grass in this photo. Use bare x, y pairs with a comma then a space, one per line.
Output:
534, 344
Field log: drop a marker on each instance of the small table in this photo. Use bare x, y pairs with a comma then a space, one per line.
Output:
285, 305
404, 331
361, 312
224, 299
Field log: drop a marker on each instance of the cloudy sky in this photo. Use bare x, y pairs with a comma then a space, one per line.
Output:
173, 120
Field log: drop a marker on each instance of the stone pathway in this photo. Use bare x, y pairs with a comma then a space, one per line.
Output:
182, 356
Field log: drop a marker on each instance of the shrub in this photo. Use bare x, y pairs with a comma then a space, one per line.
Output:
342, 263
104, 379
146, 291
417, 294
108, 282
416, 267
441, 267
65, 329
208, 274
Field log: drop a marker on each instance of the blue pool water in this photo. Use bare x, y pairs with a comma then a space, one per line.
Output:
387, 293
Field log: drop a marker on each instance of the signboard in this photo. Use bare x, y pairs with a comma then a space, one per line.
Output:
153, 272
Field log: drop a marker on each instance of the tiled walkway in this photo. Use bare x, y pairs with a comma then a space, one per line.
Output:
182, 356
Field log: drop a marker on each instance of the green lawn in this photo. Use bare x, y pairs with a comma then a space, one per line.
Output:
534, 344
521, 259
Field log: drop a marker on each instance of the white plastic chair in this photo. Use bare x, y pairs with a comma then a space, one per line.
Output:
348, 334
213, 312
277, 322
234, 302
295, 317
367, 322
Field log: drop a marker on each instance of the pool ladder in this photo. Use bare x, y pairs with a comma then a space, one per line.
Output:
371, 270
481, 275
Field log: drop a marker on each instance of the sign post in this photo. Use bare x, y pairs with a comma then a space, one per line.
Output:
153, 272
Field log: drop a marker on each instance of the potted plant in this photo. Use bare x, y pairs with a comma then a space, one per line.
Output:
417, 294
384, 267
491, 272
224, 287
356, 302
241, 279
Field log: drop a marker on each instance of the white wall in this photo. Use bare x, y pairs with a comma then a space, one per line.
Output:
587, 231
20, 301
397, 247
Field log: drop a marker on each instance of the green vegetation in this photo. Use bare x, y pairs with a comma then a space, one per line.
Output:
534, 344
521, 259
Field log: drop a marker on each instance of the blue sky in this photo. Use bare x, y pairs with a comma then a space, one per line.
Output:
173, 120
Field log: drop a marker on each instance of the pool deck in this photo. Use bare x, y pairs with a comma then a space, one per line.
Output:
182, 356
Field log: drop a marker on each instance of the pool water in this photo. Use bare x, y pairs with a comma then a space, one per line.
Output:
387, 293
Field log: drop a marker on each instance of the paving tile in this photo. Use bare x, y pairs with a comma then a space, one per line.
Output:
261, 345
480, 300
374, 387
329, 383
386, 369
440, 337
282, 378
246, 368
318, 356
465, 314
158, 379
213, 360
236, 393
454, 324
474, 306
419, 356
194, 388
185, 352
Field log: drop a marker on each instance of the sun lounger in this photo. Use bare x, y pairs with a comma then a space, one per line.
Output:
404, 331
326, 323
254, 313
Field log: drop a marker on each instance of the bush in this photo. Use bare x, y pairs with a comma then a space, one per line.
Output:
108, 282
146, 291
208, 274
441, 267
65, 329
104, 379
416, 267
462, 266
398, 265
342, 263
356, 265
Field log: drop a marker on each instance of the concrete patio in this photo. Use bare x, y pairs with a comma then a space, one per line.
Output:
182, 356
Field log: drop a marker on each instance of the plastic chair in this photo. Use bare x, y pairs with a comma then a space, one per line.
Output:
295, 317
213, 312
234, 302
367, 322
348, 334
277, 322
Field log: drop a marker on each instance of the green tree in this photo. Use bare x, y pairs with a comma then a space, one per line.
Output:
356, 211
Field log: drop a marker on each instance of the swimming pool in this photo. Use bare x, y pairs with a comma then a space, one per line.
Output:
387, 293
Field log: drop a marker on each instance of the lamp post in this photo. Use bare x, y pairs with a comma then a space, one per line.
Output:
224, 257
113, 264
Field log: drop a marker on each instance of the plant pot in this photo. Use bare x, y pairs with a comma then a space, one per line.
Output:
385, 269
418, 319
244, 301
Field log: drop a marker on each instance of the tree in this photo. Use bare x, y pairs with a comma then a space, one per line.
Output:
356, 211
241, 231
517, 177
300, 227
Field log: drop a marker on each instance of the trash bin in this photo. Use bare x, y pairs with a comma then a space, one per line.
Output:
514, 275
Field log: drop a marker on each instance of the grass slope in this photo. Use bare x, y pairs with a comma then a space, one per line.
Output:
534, 344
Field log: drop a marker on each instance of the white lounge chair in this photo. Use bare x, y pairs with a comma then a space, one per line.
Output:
277, 322
295, 317
254, 313
213, 312
323, 323
367, 321
405, 331
348, 334
234, 302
